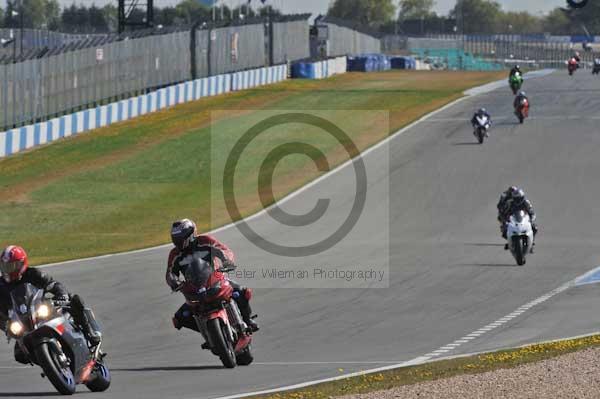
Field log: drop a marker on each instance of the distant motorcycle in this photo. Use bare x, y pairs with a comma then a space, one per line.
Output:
47, 335
596, 69
481, 128
572, 66
516, 82
519, 234
522, 110
210, 295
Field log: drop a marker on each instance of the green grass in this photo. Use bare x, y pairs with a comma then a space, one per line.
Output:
439, 369
120, 187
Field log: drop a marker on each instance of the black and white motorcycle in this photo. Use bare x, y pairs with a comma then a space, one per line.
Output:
520, 237
48, 337
482, 125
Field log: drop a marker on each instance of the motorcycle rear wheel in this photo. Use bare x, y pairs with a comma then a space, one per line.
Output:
61, 378
100, 378
245, 357
220, 343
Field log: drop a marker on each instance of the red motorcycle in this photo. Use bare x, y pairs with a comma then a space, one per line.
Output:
522, 110
210, 295
572, 66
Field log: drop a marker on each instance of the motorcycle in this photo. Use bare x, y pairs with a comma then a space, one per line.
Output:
47, 336
210, 295
522, 110
596, 68
516, 82
481, 128
519, 234
572, 66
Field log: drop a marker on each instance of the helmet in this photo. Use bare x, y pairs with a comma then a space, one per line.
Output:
518, 67
183, 233
482, 111
577, 54
522, 94
518, 196
13, 263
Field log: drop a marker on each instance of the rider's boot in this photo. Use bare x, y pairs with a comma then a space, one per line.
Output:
86, 320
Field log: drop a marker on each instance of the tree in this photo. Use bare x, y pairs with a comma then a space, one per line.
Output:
191, 11
97, 20
557, 23
373, 13
477, 16
519, 22
416, 9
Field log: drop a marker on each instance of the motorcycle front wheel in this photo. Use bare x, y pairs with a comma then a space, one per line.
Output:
60, 375
519, 250
220, 343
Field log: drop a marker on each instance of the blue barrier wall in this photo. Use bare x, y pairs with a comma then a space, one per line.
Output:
23, 138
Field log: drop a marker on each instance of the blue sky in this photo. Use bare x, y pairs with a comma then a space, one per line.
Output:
320, 6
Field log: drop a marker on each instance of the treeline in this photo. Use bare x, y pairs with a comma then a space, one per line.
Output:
47, 14
468, 16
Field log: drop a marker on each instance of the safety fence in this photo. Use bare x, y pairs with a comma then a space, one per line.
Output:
56, 84
20, 139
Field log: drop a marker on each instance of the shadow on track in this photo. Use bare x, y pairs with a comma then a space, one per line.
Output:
169, 368
492, 265
483, 244
466, 143
29, 394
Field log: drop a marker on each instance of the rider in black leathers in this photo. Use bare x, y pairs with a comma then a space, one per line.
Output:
511, 201
514, 70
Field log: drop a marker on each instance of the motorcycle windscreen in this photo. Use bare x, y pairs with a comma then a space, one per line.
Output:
198, 272
23, 298
519, 217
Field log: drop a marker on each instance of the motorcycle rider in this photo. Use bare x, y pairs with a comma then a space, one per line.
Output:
514, 71
519, 98
186, 240
14, 267
511, 201
481, 113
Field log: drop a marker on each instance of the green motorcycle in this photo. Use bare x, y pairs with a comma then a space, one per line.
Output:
515, 82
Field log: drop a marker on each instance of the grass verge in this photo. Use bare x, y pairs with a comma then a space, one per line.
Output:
439, 369
120, 187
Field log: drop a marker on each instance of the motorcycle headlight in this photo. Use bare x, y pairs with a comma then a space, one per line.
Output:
16, 328
43, 311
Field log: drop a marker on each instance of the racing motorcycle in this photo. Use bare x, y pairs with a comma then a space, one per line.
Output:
210, 295
522, 110
519, 234
48, 337
572, 66
516, 82
596, 68
481, 127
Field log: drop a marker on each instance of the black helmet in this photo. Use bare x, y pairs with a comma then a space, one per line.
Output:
183, 233
482, 111
518, 196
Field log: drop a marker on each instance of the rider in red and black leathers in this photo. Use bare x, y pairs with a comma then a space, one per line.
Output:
186, 242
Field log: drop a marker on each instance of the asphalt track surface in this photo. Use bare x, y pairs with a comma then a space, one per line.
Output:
449, 273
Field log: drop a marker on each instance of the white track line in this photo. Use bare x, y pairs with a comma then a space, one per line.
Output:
436, 354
